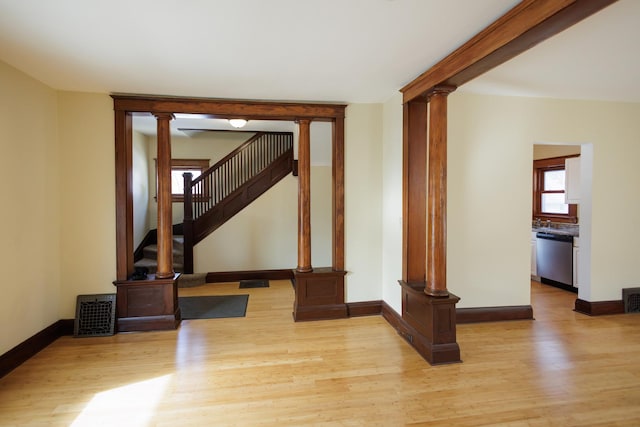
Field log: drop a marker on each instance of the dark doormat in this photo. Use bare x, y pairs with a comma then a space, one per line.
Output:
213, 307
257, 283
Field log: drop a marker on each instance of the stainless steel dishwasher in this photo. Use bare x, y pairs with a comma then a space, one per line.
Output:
554, 257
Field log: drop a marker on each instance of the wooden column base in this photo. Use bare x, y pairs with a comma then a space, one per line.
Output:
430, 324
319, 295
147, 305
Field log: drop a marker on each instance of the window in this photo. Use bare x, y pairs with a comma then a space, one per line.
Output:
548, 191
179, 167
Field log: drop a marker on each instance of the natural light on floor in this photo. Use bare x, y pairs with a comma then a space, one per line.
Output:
129, 405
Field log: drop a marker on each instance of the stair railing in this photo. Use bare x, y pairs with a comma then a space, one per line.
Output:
233, 171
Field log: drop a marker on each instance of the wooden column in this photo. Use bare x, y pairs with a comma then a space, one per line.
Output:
338, 193
124, 194
437, 193
414, 188
304, 197
165, 231
428, 310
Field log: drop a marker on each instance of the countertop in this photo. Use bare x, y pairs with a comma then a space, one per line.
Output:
569, 230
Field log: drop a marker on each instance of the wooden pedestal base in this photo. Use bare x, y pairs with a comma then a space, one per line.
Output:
319, 295
429, 324
147, 305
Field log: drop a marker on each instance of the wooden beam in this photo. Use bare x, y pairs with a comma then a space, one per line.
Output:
524, 26
222, 108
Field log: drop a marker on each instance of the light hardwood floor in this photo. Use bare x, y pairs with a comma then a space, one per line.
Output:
563, 369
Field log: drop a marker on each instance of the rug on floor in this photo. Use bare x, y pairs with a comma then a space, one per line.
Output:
213, 306
256, 283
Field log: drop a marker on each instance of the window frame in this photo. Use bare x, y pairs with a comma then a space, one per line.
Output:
185, 165
539, 168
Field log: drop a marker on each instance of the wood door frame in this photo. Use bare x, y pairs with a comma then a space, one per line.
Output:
126, 105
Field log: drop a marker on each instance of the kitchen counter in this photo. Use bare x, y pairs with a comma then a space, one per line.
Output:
569, 230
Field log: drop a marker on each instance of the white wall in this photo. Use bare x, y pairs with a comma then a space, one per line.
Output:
212, 146
490, 142
392, 202
363, 202
30, 215
141, 187
265, 234
87, 196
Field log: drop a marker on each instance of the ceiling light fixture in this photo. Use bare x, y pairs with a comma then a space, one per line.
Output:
237, 123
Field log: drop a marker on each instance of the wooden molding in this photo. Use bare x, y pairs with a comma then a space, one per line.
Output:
364, 308
28, 348
125, 105
493, 314
527, 24
226, 108
236, 276
599, 308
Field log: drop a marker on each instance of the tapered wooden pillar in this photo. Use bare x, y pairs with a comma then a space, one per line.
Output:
304, 197
414, 188
165, 231
437, 193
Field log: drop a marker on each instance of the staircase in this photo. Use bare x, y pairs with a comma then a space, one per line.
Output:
232, 184
219, 193
150, 256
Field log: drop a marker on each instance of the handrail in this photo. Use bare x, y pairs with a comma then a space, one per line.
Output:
232, 153
233, 171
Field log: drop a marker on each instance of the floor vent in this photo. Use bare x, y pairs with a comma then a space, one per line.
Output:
631, 299
95, 315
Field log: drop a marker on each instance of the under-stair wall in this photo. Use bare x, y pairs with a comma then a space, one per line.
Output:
232, 184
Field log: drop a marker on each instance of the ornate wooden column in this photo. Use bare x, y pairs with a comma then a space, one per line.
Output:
436, 285
304, 197
165, 217
319, 292
152, 303
428, 310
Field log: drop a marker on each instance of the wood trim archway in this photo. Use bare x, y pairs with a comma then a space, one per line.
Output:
428, 310
125, 106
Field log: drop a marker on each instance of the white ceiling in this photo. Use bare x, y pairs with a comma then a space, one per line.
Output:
595, 59
311, 50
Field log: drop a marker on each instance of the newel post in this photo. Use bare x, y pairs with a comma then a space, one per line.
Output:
187, 227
